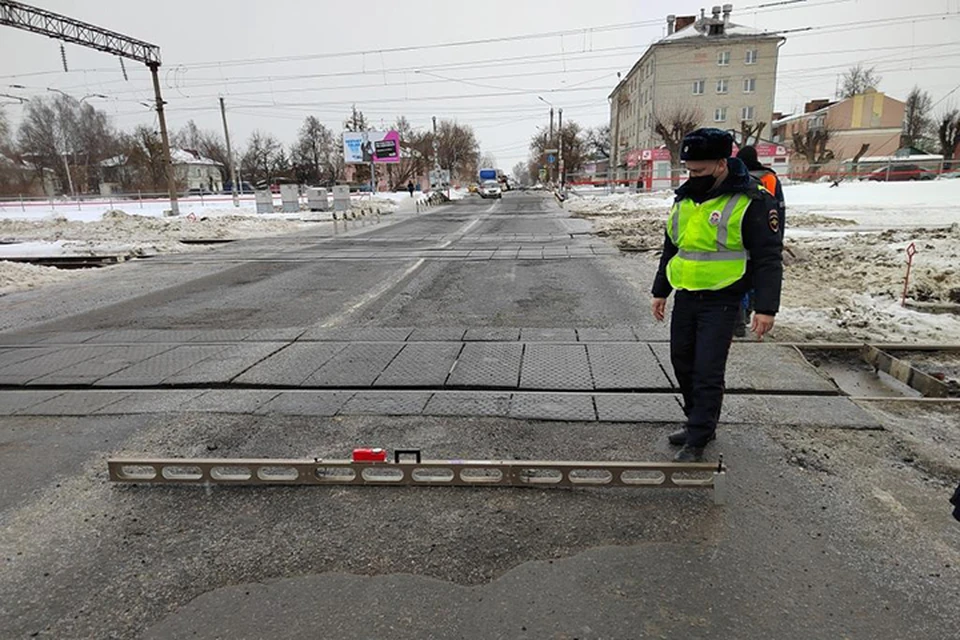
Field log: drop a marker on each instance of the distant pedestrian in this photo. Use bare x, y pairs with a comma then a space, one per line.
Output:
722, 239
410, 187
766, 177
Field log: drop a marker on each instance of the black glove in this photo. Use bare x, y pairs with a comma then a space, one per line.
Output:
955, 501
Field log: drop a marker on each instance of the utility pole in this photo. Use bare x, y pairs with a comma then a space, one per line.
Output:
168, 161
54, 25
233, 167
436, 154
560, 148
550, 146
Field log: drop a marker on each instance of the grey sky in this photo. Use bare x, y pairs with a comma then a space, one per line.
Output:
219, 48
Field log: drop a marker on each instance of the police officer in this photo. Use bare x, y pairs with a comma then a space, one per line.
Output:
722, 239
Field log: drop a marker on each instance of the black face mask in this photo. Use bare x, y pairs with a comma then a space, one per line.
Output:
700, 184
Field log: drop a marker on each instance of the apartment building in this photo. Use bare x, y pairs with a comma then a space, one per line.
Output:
724, 72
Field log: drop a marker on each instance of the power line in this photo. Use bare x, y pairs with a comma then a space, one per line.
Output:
482, 41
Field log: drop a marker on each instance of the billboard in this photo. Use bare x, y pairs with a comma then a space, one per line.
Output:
364, 147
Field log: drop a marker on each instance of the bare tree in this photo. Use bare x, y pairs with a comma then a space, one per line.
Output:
258, 161
811, 143
857, 80
948, 133
312, 151
672, 125
855, 163
141, 165
488, 160
916, 120
597, 141
15, 177
4, 132
521, 173
750, 132
67, 137
458, 148
573, 142
356, 122
416, 148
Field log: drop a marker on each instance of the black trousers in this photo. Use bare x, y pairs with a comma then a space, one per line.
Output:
701, 330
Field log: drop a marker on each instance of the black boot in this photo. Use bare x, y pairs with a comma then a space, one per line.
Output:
689, 454
679, 438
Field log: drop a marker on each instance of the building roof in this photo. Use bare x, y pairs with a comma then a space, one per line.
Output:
698, 32
731, 30
177, 157
190, 156
800, 116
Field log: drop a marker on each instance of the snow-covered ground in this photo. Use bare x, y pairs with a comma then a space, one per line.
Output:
845, 253
134, 228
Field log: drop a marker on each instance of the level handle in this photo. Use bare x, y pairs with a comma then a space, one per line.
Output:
399, 453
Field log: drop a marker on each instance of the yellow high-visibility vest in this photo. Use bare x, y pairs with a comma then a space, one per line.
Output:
709, 239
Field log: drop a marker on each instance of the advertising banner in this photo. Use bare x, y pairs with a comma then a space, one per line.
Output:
364, 147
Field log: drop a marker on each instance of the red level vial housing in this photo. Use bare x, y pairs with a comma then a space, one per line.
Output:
370, 455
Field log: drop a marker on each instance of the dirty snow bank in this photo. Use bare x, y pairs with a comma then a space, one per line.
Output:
16, 276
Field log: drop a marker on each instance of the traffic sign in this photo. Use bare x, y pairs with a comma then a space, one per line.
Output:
551, 158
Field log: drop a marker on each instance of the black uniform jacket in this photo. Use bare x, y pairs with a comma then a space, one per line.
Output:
761, 237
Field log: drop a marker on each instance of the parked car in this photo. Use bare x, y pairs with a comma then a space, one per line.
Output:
242, 187
490, 189
900, 173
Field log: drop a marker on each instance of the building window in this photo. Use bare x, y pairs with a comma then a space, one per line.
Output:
722, 85
749, 85
720, 114
723, 58
746, 113
751, 56
698, 86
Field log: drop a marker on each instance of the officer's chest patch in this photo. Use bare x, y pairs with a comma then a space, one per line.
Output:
774, 219
715, 218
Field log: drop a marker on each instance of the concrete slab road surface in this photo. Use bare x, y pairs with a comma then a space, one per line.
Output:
476, 330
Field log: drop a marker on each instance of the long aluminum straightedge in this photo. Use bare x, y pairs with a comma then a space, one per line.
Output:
471, 473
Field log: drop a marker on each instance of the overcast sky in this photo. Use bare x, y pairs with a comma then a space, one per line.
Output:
272, 61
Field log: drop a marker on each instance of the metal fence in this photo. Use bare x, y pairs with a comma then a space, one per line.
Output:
128, 201
907, 169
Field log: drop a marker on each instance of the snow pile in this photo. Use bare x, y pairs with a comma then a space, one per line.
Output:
16, 276
118, 231
635, 204
123, 234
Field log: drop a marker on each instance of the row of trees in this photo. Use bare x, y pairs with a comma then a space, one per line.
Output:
69, 140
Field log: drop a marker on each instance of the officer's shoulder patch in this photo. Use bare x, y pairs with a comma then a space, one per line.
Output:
715, 218
773, 218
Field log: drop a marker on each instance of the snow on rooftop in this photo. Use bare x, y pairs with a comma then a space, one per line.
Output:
730, 31
177, 156
189, 156
800, 116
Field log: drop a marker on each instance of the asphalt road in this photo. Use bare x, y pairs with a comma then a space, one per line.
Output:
810, 545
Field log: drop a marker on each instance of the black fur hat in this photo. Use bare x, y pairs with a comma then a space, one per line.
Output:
707, 144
